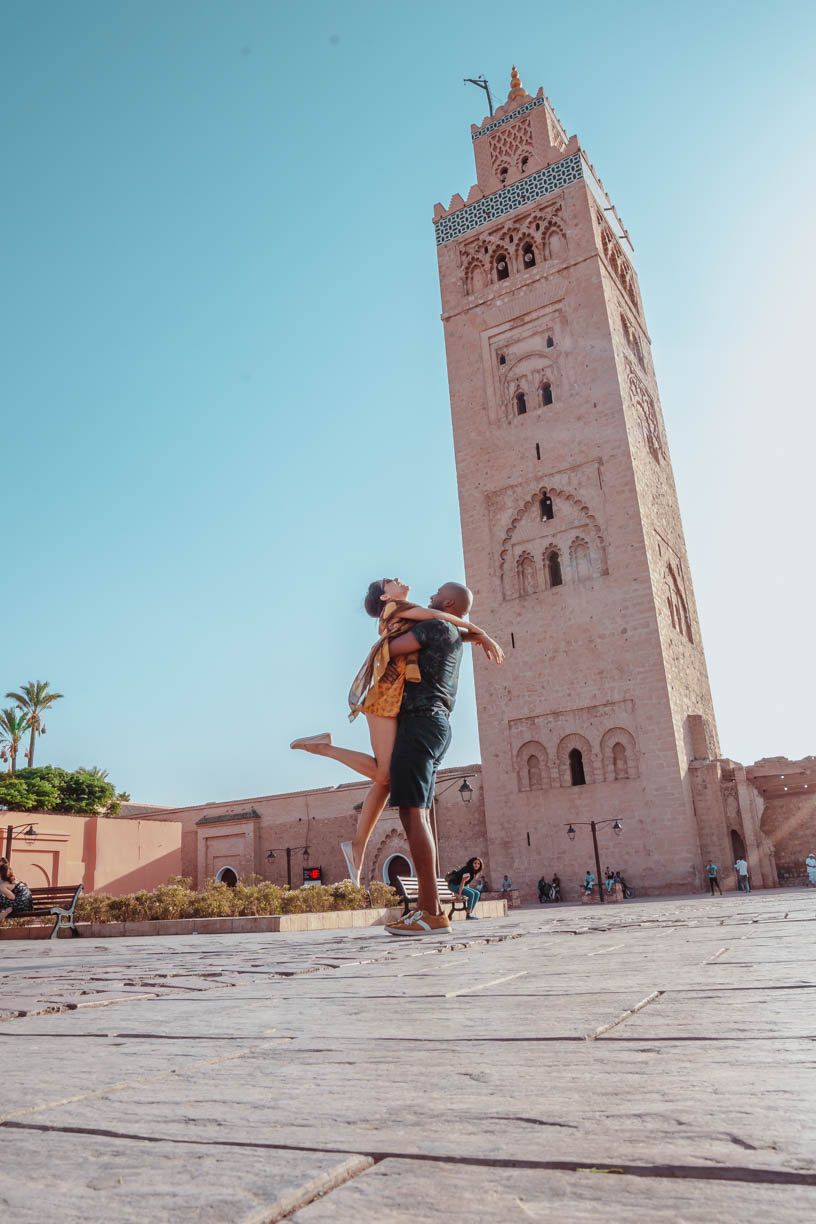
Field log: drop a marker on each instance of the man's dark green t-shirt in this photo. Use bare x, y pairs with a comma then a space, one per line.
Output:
439, 661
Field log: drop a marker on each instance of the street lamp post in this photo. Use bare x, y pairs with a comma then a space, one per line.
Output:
617, 829
289, 850
11, 830
466, 792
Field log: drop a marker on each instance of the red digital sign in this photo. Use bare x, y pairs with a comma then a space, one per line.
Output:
312, 875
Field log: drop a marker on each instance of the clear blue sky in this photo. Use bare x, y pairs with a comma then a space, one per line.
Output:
226, 405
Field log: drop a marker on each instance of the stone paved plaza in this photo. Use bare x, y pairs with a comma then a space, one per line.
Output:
642, 1062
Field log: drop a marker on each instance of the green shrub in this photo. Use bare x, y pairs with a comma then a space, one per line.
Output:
177, 899
382, 895
93, 907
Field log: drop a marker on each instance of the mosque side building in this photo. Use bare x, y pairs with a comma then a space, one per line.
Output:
572, 535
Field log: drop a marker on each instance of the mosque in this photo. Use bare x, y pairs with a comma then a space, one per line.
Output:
601, 722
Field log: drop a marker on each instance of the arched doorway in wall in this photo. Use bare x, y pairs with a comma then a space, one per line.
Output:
737, 845
228, 876
396, 865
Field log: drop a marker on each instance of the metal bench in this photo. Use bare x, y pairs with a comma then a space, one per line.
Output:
409, 887
59, 901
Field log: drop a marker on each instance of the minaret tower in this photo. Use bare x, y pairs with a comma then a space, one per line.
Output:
572, 535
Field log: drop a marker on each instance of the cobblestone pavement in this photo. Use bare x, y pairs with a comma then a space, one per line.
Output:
645, 1062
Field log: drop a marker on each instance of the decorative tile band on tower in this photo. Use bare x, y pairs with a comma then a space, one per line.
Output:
497, 123
508, 199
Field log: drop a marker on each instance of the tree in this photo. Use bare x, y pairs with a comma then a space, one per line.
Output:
33, 699
13, 727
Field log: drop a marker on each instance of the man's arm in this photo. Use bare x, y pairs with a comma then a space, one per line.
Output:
405, 644
492, 649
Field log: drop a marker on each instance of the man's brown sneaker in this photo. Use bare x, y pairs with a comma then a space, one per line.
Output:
419, 922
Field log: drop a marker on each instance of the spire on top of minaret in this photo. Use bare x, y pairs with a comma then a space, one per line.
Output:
517, 90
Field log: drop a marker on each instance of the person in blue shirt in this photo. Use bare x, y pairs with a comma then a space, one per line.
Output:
711, 868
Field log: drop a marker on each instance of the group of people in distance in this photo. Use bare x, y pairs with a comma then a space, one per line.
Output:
610, 880
406, 689
549, 890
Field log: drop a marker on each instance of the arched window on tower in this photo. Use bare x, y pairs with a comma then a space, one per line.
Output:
546, 394
550, 342
547, 511
528, 583
528, 255
576, 767
521, 403
524, 162
502, 268
620, 765
534, 780
552, 568
503, 172
581, 560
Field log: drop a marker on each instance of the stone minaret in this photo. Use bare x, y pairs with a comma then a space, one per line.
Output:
572, 535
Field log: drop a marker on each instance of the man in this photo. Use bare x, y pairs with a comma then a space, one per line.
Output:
507, 884
423, 737
711, 868
543, 890
741, 868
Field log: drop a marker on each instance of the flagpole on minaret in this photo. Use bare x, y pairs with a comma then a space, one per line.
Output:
481, 81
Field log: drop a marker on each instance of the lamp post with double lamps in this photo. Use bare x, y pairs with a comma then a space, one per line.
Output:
617, 829
289, 851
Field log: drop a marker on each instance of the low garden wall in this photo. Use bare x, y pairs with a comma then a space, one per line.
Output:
177, 909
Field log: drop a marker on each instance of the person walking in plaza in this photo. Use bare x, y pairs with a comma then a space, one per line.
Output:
810, 863
711, 868
743, 882
543, 890
463, 883
15, 895
377, 691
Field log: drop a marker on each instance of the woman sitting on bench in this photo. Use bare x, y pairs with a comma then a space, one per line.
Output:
462, 883
16, 896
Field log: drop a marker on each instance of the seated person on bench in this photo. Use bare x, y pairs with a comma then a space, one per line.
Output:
15, 896
462, 882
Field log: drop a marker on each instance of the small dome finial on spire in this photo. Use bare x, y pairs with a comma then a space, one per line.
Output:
517, 90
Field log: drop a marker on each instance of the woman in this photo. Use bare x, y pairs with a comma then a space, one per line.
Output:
462, 881
15, 896
377, 692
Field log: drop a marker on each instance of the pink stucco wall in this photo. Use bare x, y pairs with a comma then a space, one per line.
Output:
105, 855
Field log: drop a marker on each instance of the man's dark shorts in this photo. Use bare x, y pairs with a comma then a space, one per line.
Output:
422, 741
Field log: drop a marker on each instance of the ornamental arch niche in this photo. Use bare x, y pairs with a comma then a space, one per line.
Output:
532, 766
536, 534
575, 743
618, 755
393, 844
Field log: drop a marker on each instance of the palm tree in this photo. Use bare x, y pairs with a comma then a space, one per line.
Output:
13, 727
93, 772
33, 699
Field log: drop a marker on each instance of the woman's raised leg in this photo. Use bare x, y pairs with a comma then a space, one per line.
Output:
360, 762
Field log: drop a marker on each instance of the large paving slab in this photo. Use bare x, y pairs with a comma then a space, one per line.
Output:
649, 1061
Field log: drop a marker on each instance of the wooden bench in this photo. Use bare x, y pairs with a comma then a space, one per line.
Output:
409, 887
59, 901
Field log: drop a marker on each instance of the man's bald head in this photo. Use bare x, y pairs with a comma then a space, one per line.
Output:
452, 597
